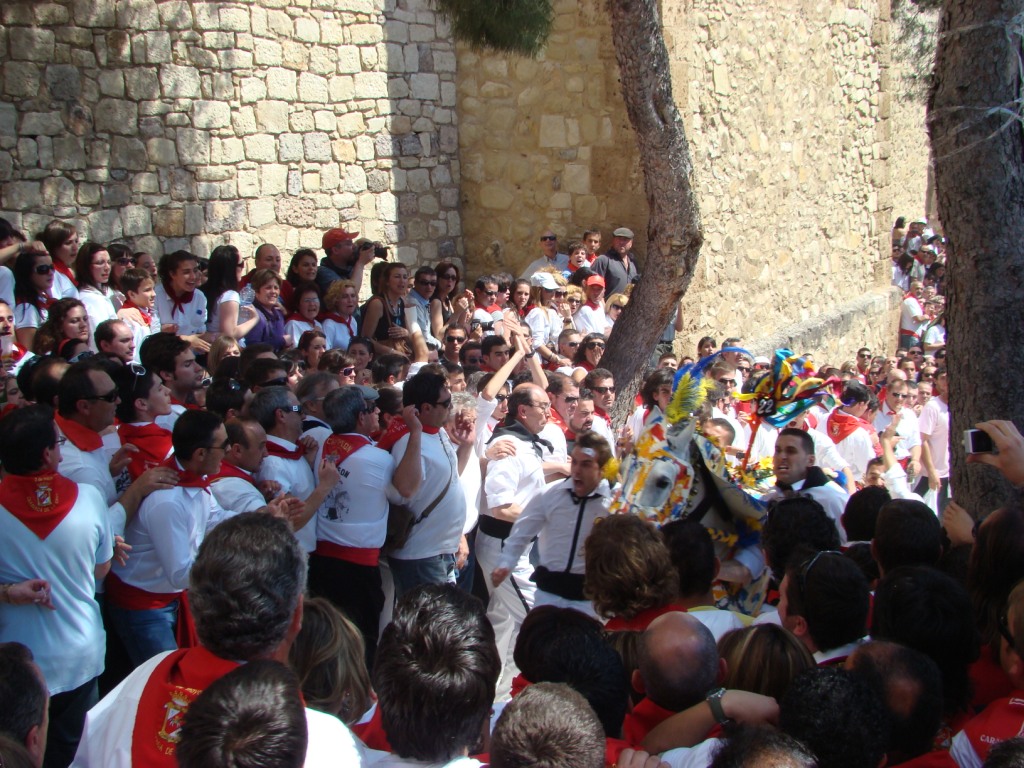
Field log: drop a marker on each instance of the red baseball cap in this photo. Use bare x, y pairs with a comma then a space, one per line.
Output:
334, 236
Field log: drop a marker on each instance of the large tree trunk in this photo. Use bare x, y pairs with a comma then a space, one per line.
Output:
674, 232
974, 119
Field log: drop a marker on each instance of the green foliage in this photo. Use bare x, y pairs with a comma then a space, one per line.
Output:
915, 37
513, 26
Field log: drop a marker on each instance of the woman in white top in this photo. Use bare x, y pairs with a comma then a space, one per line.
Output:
340, 324
222, 299
543, 319
33, 282
305, 307
61, 240
92, 272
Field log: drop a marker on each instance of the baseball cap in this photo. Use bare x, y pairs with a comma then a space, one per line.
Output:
595, 280
543, 280
334, 236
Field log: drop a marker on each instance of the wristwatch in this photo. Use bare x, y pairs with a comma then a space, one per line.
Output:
714, 700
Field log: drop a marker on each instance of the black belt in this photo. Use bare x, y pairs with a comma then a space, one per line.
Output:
492, 526
566, 585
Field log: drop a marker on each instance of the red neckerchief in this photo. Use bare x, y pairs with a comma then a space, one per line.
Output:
841, 425
644, 718
591, 304
526, 310
230, 470
17, 352
639, 622
372, 733
174, 684
292, 454
396, 430
296, 317
340, 447
153, 442
613, 748
178, 302
40, 501
491, 309
603, 415
346, 321
187, 479
189, 406
83, 438
64, 269
586, 366
146, 312
519, 684
556, 418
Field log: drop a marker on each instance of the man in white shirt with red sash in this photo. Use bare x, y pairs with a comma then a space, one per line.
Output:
145, 595
246, 596
56, 530
289, 458
352, 522
849, 431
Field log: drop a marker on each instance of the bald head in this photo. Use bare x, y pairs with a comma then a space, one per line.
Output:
679, 661
895, 375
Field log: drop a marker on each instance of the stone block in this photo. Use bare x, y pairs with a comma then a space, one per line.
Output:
111, 83
261, 213
425, 86
354, 179
41, 124
243, 121
204, 59
224, 89
281, 84
178, 82
233, 59
194, 219
294, 182
260, 147
69, 153
234, 19
162, 152
218, 40
28, 153
89, 195
341, 89
138, 15
181, 184
127, 153
272, 116
296, 55
366, 34
169, 222
64, 82
142, 183
295, 212
104, 226
289, 148
332, 32
141, 83
253, 89
267, 52
193, 146
248, 183
155, 47
301, 121
32, 44
117, 116
307, 30
223, 216
20, 79
135, 220
175, 14
274, 179
317, 147
114, 195
211, 114
371, 85
313, 89
22, 195
89, 13
348, 60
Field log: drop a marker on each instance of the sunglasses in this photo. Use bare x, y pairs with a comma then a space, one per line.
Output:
348, 370
571, 399
573, 344
452, 276
603, 390
895, 396
548, 237
43, 269
280, 381
501, 398
429, 283
727, 382
595, 345
474, 360
561, 294
110, 397
455, 339
125, 261
490, 293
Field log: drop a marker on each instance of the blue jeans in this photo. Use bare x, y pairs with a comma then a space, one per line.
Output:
145, 633
67, 720
409, 574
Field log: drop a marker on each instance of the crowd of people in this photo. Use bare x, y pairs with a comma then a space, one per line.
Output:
250, 520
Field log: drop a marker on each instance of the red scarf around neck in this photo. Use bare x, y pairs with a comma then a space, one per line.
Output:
40, 501
83, 438
292, 454
172, 687
153, 442
297, 318
230, 470
340, 447
187, 406
145, 312
64, 269
178, 302
603, 415
346, 321
396, 430
187, 478
841, 425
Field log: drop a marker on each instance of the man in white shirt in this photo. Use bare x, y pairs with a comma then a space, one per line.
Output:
178, 302
352, 521
312, 391
908, 445
550, 257
590, 317
423, 286
848, 430
601, 384
246, 597
510, 484
912, 316
144, 594
934, 427
56, 530
172, 359
234, 485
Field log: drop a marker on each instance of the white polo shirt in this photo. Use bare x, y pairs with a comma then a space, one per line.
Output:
191, 320
296, 479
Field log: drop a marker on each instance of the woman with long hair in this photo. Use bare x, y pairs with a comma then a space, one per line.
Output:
543, 319
519, 302
304, 307
269, 328
223, 347
92, 272
312, 345
588, 355
362, 351
223, 302
448, 306
302, 268
121, 260
384, 318
340, 323
61, 240
33, 284
67, 319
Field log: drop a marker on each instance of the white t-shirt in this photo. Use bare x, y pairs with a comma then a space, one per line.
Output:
236, 495
27, 316
98, 307
339, 334
590, 318
62, 287
355, 512
93, 468
295, 329
545, 325
909, 309
213, 324
296, 478
934, 428
191, 320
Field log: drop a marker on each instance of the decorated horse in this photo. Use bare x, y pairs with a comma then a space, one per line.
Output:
675, 472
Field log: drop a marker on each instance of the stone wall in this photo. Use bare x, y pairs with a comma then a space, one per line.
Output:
186, 124
787, 107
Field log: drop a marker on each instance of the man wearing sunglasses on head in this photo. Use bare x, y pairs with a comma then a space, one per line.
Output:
908, 445
486, 311
550, 257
